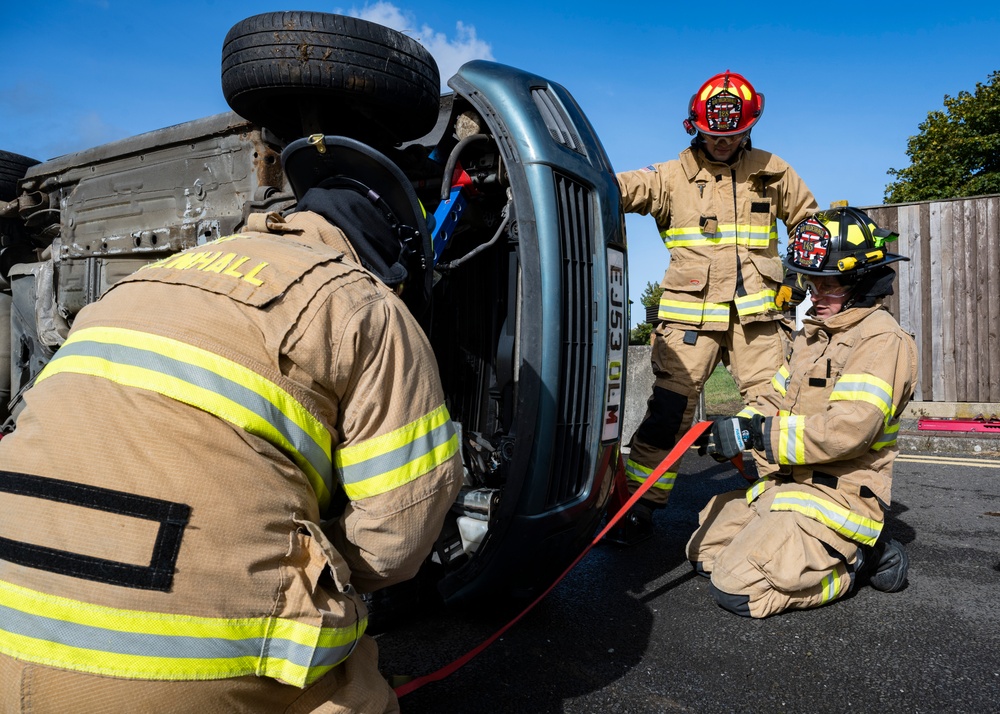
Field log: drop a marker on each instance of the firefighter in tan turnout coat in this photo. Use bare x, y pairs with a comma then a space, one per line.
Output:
807, 533
716, 208
231, 446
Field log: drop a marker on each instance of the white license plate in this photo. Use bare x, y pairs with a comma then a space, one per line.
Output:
614, 375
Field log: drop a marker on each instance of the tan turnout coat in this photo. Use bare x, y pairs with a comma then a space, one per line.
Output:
719, 222
233, 444
840, 400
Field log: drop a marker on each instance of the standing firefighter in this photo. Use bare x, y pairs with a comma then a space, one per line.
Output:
804, 535
716, 208
232, 445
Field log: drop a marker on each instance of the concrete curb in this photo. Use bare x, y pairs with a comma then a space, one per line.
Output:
912, 440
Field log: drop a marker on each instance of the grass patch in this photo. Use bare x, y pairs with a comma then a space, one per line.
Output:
722, 398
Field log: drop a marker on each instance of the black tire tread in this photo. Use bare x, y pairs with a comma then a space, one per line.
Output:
12, 170
343, 66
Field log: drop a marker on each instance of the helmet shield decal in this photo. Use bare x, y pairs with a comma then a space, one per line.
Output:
723, 112
811, 245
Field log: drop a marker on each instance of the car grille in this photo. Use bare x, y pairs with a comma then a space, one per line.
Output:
556, 121
573, 465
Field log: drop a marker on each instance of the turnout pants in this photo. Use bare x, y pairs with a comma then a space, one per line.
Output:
682, 362
353, 687
762, 562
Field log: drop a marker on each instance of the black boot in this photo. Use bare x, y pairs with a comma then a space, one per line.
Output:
634, 527
885, 565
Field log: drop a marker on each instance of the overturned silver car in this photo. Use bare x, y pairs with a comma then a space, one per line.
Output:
529, 315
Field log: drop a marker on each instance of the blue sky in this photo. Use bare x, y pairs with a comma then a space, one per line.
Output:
846, 84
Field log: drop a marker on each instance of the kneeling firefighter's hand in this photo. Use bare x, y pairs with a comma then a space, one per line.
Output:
729, 437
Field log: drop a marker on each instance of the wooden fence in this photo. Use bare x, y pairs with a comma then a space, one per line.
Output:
948, 293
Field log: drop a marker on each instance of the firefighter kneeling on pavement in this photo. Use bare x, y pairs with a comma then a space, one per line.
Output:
231, 446
824, 437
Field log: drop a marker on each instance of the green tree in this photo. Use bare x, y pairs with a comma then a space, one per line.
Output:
650, 298
957, 152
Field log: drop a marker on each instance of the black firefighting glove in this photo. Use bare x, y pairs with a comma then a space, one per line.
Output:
729, 437
789, 294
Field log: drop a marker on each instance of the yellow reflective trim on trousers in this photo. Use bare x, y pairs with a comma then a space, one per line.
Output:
639, 474
758, 487
695, 312
726, 234
835, 517
791, 444
385, 462
70, 634
831, 586
864, 388
749, 412
207, 381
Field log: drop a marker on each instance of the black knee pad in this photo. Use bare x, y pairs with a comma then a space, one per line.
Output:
736, 604
666, 410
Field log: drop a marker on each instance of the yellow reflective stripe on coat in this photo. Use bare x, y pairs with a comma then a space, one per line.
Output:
780, 380
887, 437
386, 462
865, 388
791, 435
749, 412
639, 473
694, 312
727, 234
850, 525
698, 312
69, 634
756, 303
207, 381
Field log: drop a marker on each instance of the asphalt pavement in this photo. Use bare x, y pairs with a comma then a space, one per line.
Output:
632, 630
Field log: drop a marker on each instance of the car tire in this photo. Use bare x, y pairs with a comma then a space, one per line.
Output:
12, 170
301, 73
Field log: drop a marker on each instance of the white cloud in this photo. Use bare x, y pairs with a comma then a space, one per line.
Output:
450, 53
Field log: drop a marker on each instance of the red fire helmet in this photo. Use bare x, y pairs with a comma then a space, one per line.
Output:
726, 104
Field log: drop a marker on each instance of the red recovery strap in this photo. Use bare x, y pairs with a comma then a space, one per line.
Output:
675, 454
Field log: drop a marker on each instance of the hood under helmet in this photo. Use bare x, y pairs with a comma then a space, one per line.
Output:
362, 192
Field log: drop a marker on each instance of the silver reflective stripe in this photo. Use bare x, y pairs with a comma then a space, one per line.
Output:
833, 516
756, 489
398, 457
852, 387
639, 473
763, 300
211, 381
831, 585
172, 646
